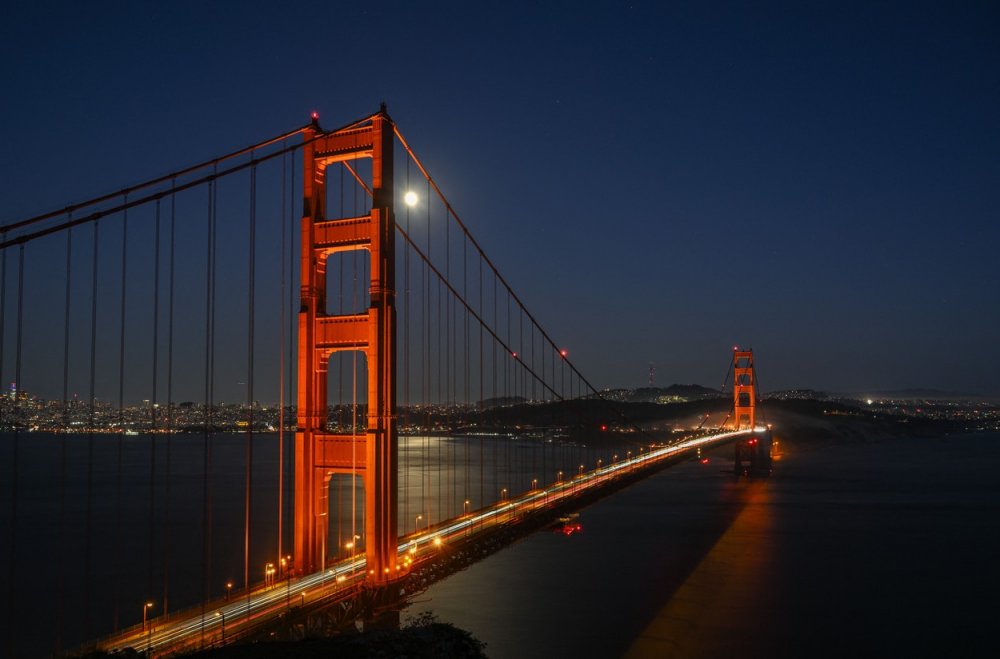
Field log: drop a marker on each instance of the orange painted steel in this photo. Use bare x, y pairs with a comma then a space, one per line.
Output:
320, 454
744, 390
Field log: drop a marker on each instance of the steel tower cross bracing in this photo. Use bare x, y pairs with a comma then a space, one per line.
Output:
320, 454
744, 390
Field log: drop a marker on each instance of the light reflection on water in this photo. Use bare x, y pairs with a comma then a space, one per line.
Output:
126, 564
884, 549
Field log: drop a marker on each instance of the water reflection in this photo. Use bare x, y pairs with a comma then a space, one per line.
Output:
91, 547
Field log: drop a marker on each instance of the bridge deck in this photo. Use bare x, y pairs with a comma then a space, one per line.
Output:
245, 615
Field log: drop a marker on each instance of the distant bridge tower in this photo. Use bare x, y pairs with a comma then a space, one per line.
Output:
318, 453
744, 390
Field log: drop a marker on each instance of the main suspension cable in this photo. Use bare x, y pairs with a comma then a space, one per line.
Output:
173, 176
153, 196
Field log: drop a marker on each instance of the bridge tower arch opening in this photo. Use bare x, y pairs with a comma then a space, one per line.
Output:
320, 453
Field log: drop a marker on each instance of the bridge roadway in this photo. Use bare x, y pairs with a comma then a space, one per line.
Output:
228, 620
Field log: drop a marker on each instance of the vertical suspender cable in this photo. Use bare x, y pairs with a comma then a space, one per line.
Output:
440, 399
449, 336
292, 318
468, 357
12, 557
281, 365
496, 403
482, 395
251, 279
116, 568
404, 464
206, 531
424, 329
522, 374
89, 517
152, 399
170, 402
61, 578
427, 367
512, 382
531, 328
453, 398
534, 449
445, 335
211, 383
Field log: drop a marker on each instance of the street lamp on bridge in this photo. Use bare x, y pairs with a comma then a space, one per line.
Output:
223, 614
149, 634
146, 607
416, 522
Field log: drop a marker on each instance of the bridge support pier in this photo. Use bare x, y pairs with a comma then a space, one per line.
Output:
753, 456
318, 453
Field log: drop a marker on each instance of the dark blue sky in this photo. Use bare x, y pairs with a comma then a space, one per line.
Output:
658, 183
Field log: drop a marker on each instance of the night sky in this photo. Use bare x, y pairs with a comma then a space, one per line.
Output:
658, 181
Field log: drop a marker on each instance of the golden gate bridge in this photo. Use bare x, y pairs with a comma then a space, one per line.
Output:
432, 410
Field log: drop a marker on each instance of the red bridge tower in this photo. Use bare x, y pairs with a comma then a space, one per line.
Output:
320, 454
744, 390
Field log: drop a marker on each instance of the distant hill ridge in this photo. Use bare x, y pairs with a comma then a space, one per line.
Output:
922, 394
